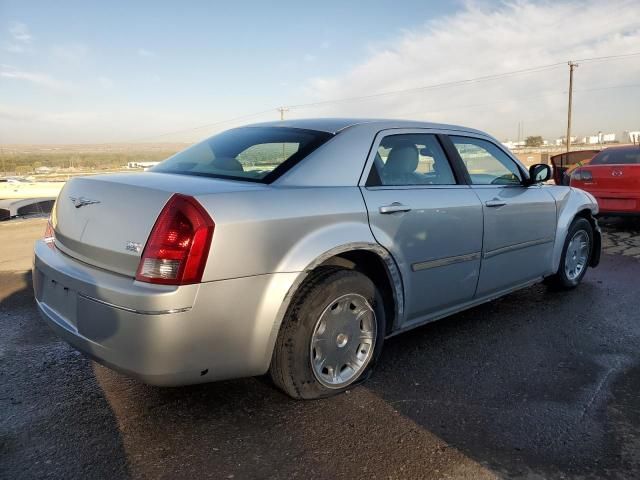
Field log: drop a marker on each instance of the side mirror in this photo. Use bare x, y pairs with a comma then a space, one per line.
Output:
539, 173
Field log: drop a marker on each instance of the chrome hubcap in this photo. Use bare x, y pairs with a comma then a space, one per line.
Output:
343, 341
577, 255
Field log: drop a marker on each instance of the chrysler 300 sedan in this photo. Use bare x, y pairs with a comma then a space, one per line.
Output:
296, 248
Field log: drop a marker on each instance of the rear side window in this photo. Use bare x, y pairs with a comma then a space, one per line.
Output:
617, 157
486, 163
258, 154
411, 159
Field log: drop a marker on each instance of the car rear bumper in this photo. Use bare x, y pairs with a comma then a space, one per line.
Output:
159, 334
618, 202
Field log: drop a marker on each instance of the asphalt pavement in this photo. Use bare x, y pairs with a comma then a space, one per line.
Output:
538, 384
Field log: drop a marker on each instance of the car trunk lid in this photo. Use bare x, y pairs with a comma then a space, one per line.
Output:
614, 178
105, 220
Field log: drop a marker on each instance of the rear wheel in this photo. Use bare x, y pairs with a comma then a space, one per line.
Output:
331, 335
575, 255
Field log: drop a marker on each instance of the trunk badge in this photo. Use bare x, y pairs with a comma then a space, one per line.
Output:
616, 173
82, 201
133, 246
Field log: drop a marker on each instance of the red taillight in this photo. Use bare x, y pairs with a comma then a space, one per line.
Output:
582, 175
49, 235
177, 249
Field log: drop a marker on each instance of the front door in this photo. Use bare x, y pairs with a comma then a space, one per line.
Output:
428, 219
519, 220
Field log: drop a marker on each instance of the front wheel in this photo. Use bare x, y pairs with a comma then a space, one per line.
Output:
576, 255
331, 335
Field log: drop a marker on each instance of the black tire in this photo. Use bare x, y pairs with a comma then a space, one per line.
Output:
560, 281
291, 368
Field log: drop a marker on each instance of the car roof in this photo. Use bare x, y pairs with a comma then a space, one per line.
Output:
335, 125
622, 147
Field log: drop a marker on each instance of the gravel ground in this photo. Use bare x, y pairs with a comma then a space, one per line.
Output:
534, 385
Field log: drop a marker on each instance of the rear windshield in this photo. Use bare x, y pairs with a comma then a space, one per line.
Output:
258, 154
618, 157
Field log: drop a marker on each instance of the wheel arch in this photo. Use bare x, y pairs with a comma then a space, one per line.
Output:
596, 249
360, 256
572, 203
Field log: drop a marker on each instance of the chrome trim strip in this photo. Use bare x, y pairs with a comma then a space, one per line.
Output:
517, 246
133, 310
441, 262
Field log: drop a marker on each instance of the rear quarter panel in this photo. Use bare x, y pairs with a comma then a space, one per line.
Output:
281, 229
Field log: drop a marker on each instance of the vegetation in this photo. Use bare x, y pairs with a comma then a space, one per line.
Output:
534, 141
25, 163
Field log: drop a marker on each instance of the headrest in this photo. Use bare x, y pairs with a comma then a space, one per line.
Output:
403, 158
227, 163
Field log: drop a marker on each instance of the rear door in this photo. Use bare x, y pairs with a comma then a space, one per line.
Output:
423, 213
519, 220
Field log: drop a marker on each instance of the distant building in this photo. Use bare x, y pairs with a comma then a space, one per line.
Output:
599, 138
43, 170
143, 165
510, 144
634, 136
563, 140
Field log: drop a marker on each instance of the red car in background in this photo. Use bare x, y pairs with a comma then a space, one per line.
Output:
613, 177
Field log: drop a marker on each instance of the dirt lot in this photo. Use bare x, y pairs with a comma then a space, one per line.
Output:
535, 385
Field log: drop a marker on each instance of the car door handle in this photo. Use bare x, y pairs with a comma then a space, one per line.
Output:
495, 203
394, 207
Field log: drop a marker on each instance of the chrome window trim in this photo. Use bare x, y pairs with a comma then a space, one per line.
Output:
417, 187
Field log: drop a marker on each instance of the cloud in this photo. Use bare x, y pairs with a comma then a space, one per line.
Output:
105, 82
143, 52
15, 48
16, 114
20, 39
71, 53
20, 32
480, 40
115, 123
36, 78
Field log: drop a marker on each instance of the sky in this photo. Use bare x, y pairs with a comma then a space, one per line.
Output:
105, 72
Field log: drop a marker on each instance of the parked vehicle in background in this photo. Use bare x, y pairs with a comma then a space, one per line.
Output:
566, 162
297, 247
613, 177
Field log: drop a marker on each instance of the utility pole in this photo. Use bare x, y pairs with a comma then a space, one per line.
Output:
572, 67
282, 110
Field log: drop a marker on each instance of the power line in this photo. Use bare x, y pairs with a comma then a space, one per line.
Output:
608, 57
432, 86
484, 78
462, 82
527, 98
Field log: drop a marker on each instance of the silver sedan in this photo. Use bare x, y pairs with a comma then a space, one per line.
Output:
296, 248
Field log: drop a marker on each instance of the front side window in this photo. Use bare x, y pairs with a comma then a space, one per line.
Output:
257, 154
486, 163
412, 159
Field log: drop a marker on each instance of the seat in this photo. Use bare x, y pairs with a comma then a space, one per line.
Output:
227, 163
401, 165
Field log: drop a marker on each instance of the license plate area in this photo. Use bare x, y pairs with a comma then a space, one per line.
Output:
59, 298
620, 204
